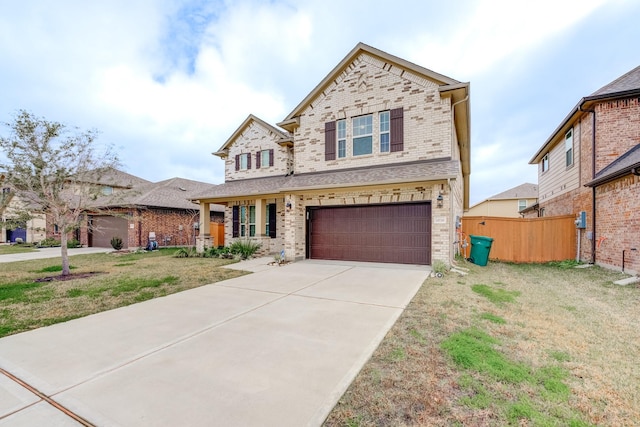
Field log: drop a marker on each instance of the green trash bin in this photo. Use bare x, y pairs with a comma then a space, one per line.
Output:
480, 248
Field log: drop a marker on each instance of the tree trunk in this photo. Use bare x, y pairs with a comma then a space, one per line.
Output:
64, 253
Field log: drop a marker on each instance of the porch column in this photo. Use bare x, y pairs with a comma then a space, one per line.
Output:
204, 238
261, 217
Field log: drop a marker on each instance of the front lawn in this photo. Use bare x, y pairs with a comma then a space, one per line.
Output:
16, 249
112, 280
533, 345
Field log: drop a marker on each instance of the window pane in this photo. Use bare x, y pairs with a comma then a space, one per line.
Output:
252, 214
243, 161
384, 142
264, 159
384, 121
243, 230
342, 148
252, 230
362, 146
342, 129
362, 125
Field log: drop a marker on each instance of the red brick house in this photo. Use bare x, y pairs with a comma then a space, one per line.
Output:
591, 164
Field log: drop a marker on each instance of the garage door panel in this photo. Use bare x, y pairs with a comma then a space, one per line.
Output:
104, 228
399, 233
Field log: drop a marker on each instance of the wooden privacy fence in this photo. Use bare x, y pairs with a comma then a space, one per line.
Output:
525, 239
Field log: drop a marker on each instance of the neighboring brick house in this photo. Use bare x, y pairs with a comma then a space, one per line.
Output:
591, 164
372, 165
162, 211
130, 208
509, 203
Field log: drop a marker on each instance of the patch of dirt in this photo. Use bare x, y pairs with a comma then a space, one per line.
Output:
71, 276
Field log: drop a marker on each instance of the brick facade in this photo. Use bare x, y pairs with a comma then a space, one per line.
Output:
617, 130
422, 130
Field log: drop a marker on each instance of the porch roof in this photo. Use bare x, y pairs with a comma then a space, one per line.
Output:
421, 171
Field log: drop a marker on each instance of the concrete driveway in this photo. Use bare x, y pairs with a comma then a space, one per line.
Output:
273, 348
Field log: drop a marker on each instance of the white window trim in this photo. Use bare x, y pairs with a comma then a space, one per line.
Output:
358, 136
545, 160
341, 139
244, 161
264, 159
568, 147
385, 132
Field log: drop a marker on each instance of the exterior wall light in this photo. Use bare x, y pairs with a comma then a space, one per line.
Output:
439, 200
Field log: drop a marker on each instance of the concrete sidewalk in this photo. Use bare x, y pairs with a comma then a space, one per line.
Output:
50, 253
274, 348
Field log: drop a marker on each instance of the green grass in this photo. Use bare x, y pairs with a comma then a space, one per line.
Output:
98, 282
16, 249
496, 296
474, 349
493, 318
53, 269
17, 292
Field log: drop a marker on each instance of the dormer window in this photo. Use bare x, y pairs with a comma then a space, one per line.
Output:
107, 190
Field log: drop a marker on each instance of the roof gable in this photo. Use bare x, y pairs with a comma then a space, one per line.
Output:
389, 62
280, 135
522, 191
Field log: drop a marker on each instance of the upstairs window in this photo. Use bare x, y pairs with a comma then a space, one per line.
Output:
568, 147
384, 132
545, 163
363, 135
107, 190
243, 161
342, 138
521, 204
264, 158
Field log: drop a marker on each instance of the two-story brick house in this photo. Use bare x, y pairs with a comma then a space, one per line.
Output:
372, 165
591, 164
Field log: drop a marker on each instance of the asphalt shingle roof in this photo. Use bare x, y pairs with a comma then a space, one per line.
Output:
379, 175
619, 167
624, 83
522, 191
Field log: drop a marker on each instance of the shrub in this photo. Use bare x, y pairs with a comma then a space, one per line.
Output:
186, 253
19, 241
244, 248
116, 243
73, 243
49, 242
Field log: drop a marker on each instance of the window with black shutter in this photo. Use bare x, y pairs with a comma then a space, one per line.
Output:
271, 222
397, 129
236, 221
271, 157
258, 159
330, 141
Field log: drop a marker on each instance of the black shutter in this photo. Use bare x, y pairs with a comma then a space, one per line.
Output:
330, 141
272, 220
248, 160
271, 157
236, 221
397, 129
258, 160
237, 162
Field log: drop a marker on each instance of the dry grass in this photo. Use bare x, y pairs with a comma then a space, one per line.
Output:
15, 249
573, 322
124, 279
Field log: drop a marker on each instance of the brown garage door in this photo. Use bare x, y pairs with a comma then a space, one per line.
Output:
104, 228
398, 233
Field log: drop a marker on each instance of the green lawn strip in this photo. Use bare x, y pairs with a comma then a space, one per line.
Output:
542, 394
123, 285
16, 249
496, 296
493, 318
52, 269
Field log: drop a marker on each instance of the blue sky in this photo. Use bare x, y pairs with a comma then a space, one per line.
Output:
168, 81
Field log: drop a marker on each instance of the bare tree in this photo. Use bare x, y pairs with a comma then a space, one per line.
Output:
55, 168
